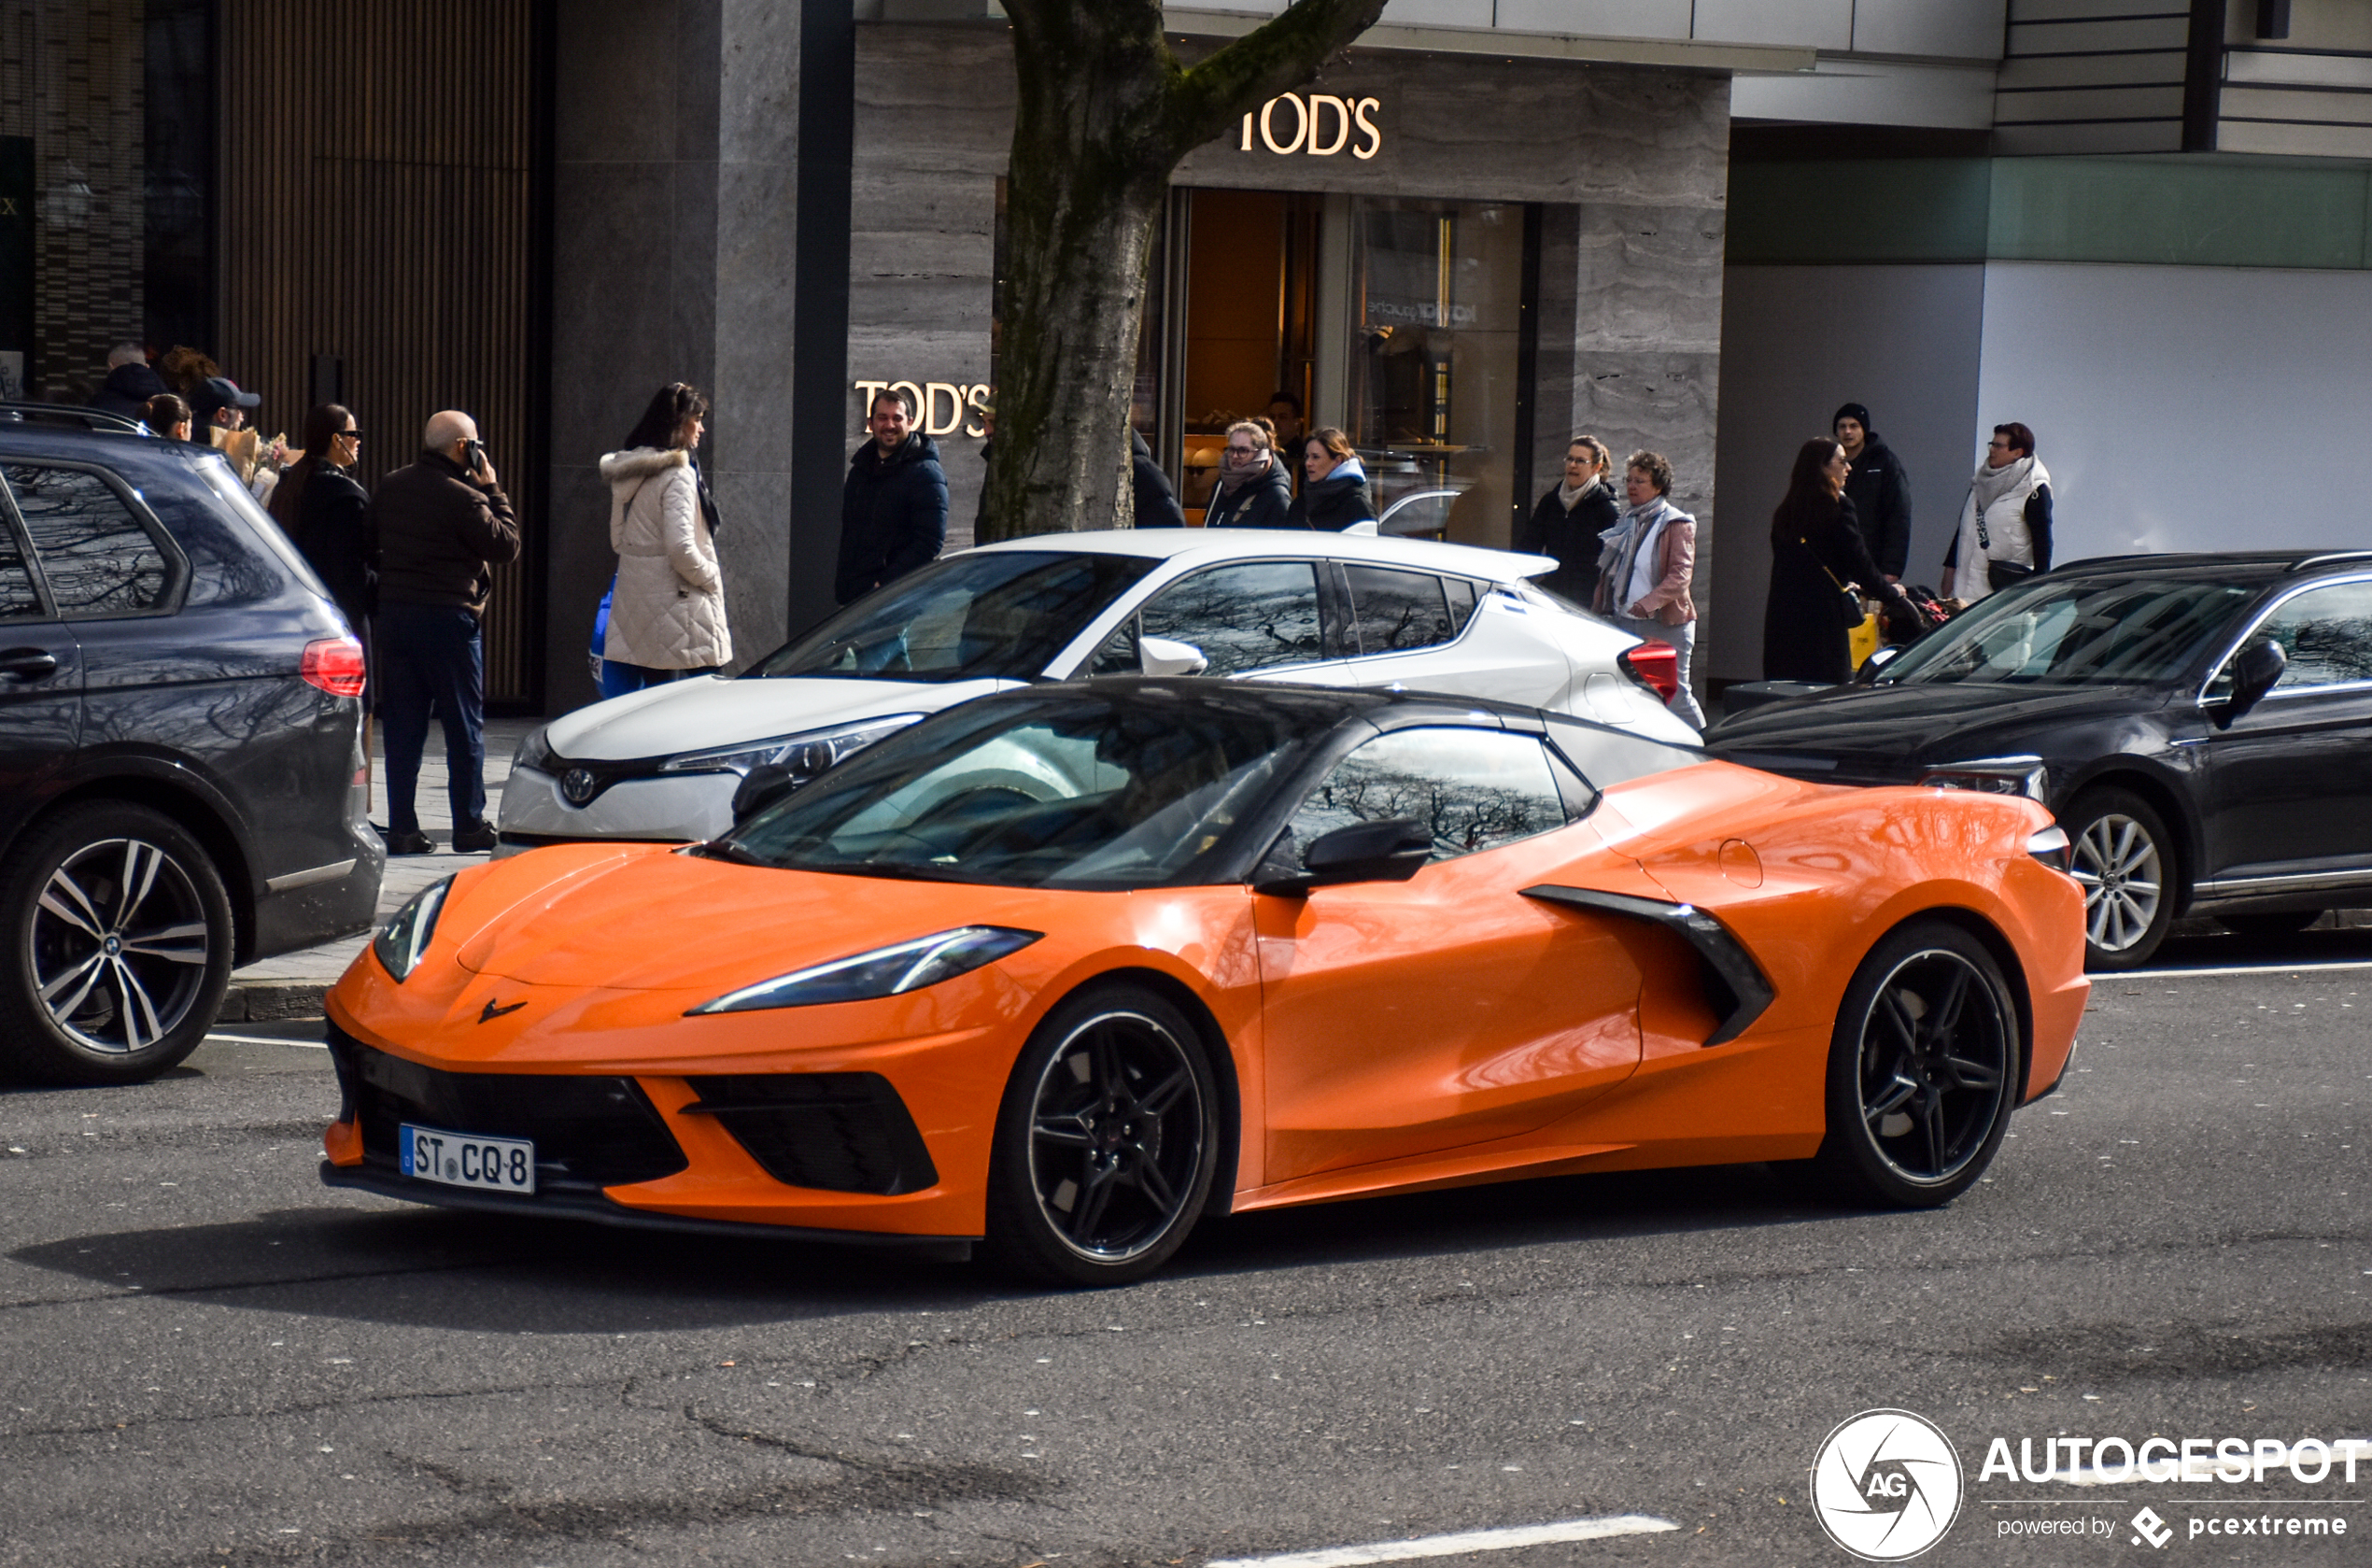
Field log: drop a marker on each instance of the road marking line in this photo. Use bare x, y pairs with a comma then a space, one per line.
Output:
267, 1039
1453, 1546
2267, 969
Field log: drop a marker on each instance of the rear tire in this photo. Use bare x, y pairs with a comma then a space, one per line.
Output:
1924, 1069
117, 937
1107, 1141
2120, 850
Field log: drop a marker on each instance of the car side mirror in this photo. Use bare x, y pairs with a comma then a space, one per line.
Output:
759, 788
1159, 655
2255, 671
1392, 850
1878, 659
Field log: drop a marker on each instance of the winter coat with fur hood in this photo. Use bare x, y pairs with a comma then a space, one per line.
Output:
669, 610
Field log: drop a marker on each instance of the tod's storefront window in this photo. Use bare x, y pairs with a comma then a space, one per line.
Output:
1398, 319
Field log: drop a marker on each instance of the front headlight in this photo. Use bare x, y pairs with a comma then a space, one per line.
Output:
534, 751
808, 755
888, 971
403, 939
1992, 776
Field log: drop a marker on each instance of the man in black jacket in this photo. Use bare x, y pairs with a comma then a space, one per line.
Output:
443, 525
131, 382
1156, 502
894, 512
1879, 488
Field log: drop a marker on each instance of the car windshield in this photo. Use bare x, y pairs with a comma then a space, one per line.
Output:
998, 614
1126, 789
2078, 631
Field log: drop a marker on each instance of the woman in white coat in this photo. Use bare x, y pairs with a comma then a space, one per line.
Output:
2005, 524
667, 613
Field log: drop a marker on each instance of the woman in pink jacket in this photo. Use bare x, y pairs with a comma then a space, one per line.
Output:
1645, 564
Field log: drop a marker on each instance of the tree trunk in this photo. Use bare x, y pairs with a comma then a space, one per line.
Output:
1105, 113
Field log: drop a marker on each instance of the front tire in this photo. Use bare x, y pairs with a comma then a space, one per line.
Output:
1924, 1069
2121, 852
119, 939
1107, 1141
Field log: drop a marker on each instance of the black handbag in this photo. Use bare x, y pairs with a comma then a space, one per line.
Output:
1999, 574
1849, 610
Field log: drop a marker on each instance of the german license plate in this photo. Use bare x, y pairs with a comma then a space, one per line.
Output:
501, 1164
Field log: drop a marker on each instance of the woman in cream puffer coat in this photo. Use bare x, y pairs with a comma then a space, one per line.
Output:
667, 614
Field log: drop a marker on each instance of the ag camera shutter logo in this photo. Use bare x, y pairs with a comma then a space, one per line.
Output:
1886, 1485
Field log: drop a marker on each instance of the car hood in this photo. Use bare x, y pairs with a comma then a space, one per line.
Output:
1884, 726
712, 711
582, 918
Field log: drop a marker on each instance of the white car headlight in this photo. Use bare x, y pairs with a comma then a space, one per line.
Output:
1992, 776
888, 971
404, 938
805, 754
534, 751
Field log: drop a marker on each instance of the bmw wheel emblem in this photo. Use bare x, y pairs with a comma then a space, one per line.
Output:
577, 785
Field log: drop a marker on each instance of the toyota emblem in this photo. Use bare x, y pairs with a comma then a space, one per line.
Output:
577, 784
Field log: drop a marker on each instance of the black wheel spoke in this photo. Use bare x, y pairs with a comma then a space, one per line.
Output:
1153, 1181
1945, 1018
1971, 1075
1065, 1131
1157, 1100
1890, 1008
1095, 1196
1932, 1119
1897, 1095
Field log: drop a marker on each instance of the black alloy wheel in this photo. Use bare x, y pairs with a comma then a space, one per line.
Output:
118, 942
2120, 850
1924, 1068
1107, 1141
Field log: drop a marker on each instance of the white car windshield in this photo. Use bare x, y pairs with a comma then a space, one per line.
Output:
1001, 614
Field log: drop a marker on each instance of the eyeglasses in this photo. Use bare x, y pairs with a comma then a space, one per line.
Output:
2001, 445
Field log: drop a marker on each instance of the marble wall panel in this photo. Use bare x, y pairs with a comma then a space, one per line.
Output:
1649, 279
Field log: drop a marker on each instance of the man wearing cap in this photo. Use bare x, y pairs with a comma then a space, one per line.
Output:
220, 407
443, 525
1879, 488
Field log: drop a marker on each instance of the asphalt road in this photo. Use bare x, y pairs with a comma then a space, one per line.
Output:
206, 1357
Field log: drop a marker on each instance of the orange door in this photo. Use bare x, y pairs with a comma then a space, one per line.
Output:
1407, 1018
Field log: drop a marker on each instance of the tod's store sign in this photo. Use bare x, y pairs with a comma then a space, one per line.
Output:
939, 407
1319, 124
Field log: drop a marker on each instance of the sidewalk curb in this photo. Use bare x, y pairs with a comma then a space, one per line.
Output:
261, 1001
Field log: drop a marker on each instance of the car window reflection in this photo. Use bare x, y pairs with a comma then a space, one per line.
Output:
2328, 634
1252, 616
97, 558
1475, 788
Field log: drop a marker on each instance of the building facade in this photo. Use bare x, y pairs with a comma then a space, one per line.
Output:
1692, 225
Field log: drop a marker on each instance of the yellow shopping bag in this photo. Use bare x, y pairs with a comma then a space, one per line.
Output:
1863, 640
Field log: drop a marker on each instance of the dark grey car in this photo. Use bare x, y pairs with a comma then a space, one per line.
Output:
181, 785
2202, 725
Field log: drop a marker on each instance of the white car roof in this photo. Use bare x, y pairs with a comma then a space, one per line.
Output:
1239, 544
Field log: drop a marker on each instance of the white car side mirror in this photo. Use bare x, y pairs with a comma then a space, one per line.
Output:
1159, 655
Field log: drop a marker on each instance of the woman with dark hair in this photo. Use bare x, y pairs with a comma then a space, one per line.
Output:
1334, 493
1570, 517
1816, 554
167, 416
667, 608
327, 516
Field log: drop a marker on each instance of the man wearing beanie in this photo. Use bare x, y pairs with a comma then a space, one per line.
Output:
1879, 488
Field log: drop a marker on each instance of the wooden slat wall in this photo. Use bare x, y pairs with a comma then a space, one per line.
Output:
374, 206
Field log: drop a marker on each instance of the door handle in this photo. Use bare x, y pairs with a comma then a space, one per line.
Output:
28, 664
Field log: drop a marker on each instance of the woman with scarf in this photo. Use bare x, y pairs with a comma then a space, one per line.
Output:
1817, 551
1570, 517
1645, 564
1254, 490
2005, 524
1334, 494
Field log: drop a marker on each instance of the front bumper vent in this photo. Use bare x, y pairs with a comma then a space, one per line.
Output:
839, 1132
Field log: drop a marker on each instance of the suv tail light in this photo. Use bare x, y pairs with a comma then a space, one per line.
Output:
335, 665
1654, 666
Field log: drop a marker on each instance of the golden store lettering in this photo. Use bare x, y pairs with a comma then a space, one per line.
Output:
1311, 133
926, 399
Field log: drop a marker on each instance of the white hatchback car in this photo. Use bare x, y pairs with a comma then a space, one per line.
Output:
1243, 603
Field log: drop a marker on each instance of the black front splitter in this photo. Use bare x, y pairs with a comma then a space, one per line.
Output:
602, 1211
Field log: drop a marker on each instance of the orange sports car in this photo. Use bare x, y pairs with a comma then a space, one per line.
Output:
1064, 969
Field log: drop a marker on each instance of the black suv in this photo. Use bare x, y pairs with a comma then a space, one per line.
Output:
2202, 725
181, 784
